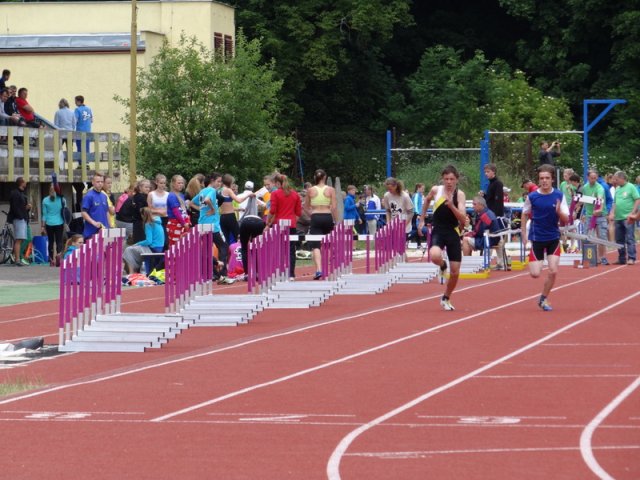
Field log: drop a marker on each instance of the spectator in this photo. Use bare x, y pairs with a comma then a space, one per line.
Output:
152, 243
320, 200
53, 222
178, 219
108, 184
84, 119
566, 187
285, 205
397, 202
547, 154
494, 196
19, 208
625, 203
251, 226
6, 74
485, 220
529, 186
228, 220
64, 119
210, 214
95, 207
11, 107
25, 110
600, 211
373, 203
157, 201
5, 118
350, 209
124, 211
304, 220
138, 202
74, 242
417, 199
192, 191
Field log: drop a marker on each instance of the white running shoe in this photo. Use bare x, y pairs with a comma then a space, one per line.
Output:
446, 305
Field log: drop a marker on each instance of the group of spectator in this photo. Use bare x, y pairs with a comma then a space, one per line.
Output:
15, 110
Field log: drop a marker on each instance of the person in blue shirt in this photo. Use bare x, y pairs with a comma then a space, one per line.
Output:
95, 208
418, 199
53, 222
210, 213
350, 208
152, 243
545, 207
84, 119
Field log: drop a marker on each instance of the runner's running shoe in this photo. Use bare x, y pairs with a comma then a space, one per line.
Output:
544, 305
446, 305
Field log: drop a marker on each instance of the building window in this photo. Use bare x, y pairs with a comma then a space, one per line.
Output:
218, 44
228, 46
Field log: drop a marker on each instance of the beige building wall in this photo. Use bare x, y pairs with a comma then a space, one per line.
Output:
97, 76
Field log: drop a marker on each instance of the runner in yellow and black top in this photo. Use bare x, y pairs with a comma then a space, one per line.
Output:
449, 212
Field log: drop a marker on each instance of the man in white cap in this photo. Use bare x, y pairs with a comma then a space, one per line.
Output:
248, 187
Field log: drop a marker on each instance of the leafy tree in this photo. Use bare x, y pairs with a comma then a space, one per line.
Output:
315, 40
198, 112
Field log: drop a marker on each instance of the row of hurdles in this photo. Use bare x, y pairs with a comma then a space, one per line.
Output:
90, 317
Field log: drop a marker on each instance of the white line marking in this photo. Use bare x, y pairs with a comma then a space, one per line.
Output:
622, 375
343, 359
585, 439
261, 339
423, 454
333, 465
592, 344
526, 417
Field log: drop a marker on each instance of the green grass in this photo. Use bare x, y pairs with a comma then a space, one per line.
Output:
20, 384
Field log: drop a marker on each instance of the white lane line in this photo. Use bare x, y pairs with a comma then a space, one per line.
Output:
264, 338
595, 375
426, 453
592, 344
586, 448
333, 465
344, 359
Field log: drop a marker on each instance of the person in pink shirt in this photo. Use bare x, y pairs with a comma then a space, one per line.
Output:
286, 205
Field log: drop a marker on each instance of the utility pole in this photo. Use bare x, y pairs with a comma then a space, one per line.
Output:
132, 93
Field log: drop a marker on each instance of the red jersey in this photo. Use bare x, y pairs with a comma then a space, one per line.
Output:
285, 207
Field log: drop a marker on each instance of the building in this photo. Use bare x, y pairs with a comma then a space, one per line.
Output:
63, 49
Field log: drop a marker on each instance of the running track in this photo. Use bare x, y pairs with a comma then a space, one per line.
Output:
384, 387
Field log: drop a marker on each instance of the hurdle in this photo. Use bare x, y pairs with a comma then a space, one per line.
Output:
90, 283
189, 268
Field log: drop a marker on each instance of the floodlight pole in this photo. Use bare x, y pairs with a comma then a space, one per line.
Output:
588, 126
132, 94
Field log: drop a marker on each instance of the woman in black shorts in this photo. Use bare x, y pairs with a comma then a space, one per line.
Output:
321, 202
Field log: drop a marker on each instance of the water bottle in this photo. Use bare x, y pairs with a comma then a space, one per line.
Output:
140, 283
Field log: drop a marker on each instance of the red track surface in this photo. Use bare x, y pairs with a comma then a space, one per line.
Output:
369, 387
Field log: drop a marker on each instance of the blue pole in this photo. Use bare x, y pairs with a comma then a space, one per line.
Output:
484, 159
388, 153
585, 140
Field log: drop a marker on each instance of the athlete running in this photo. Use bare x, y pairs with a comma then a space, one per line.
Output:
449, 212
545, 207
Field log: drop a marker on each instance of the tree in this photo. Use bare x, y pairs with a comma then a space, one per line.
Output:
199, 112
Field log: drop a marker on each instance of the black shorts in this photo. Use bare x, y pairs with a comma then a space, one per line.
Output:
538, 249
449, 239
321, 224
